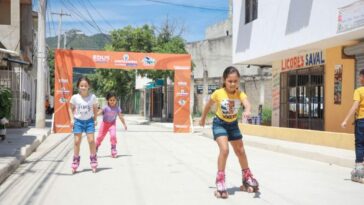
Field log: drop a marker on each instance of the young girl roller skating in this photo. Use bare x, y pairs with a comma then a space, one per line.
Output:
225, 129
108, 124
83, 110
357, 174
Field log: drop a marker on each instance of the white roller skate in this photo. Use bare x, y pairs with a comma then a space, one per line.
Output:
75, 163
93, 163
250, 184
357, 175
221, 191
114, 152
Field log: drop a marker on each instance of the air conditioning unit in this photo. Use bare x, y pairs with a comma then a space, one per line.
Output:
251, 71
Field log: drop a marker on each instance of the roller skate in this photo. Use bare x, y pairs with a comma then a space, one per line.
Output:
357, 175
75, 163
114, 153
221, 191
250, 184
93, 163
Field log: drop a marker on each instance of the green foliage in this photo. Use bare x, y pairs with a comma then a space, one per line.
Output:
267, 116
5, 102
79, 41
50, 59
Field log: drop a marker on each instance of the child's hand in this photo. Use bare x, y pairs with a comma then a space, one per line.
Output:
247, 114
125, 127
95, 123
72, 123
343, 124
202, 122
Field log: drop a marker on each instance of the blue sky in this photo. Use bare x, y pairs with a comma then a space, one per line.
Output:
195, 15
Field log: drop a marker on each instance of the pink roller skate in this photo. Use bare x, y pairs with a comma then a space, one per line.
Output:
114, 153
93, 163
250, 184
221, 191
75, 163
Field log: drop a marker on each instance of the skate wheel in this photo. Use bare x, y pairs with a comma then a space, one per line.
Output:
217, 194
250, 189
222, 195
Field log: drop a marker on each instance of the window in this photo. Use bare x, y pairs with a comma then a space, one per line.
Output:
5, 12
302, 99
251, 10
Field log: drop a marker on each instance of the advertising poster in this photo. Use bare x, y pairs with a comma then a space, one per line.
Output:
338, 84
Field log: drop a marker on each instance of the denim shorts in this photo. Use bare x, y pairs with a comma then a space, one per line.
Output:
223, 128
86, 126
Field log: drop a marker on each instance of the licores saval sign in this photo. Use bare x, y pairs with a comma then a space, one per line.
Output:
301, 61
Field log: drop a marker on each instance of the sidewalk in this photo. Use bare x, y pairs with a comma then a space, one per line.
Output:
17, 146
340, 157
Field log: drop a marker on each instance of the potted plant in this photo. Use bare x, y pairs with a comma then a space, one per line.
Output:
5, 109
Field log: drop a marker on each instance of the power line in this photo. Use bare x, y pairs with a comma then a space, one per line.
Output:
107, 22
189, 6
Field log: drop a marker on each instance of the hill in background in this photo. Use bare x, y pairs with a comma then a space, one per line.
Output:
79, 41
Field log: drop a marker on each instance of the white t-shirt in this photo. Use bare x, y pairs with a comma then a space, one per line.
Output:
83, 106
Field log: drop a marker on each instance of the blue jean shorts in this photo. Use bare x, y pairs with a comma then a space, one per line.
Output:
86, 126
223, 128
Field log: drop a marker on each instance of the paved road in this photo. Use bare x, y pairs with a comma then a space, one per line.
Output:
156, 166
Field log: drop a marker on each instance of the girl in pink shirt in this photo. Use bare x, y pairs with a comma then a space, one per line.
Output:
108, 124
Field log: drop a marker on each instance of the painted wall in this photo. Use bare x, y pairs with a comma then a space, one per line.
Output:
334, 114
10, 34
287, 27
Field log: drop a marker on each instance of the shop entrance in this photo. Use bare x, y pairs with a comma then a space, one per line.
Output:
302, 98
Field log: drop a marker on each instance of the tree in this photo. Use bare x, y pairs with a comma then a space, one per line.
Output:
139, 39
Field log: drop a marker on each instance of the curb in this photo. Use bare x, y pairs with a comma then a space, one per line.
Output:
301, 153
23, 153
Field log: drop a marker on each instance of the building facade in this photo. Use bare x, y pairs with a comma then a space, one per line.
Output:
17, 59
316, 51
212, 55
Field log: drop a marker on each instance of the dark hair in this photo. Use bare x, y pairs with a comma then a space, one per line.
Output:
83, 78
229, 70
361, 72
110, 95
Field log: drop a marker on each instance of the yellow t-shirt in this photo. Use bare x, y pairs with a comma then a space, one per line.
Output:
227, 105
359, 96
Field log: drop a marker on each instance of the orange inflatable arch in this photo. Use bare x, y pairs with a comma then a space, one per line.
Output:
66, 60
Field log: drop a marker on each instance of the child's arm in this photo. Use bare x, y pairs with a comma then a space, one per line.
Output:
247, 108
352, 110
71, 109
95, 108
205, 111
121, 117
99, 112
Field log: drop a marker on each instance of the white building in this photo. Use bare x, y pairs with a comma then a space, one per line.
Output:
17, 58
212, 55
315, 49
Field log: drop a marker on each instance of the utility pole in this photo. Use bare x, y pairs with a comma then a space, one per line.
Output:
60, 26
41, 58
64, 40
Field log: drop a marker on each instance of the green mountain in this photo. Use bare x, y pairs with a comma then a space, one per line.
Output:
79, 41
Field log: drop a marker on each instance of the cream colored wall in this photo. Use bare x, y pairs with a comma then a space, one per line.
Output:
334, 114
323, 138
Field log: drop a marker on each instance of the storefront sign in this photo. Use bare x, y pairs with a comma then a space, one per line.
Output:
351, 17
301, 61
338, 84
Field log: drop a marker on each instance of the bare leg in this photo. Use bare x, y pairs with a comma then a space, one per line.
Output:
239, 150
222, 142
91, 143
77, 143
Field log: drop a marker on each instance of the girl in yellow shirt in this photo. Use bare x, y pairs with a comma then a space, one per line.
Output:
225, 129
357, 174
